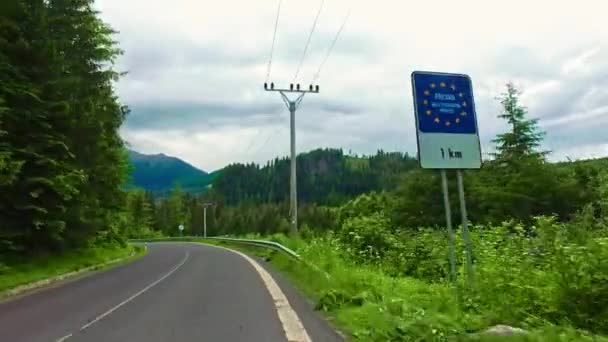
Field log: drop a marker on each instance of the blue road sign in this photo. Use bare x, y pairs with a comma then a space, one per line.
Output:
444, 103
446, 121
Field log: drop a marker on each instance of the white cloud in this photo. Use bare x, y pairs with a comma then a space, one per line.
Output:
579, 63
211, 58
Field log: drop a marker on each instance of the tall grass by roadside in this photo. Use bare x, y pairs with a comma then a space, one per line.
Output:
548, 278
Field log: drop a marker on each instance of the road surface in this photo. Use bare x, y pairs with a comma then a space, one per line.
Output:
177, 292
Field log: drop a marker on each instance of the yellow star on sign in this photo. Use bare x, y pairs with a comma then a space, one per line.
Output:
447, 123
463, 114
442, 85
432, 85
429, 112
457, 120
453, 87
437, 120
426, 102
427, 93
464, 104
461, 94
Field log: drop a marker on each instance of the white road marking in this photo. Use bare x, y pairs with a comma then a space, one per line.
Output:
105, 314
64, 338
100, 317
292, 326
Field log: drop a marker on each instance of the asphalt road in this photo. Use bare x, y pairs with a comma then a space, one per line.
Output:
177, 292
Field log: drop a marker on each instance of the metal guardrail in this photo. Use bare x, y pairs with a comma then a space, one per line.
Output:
258, 243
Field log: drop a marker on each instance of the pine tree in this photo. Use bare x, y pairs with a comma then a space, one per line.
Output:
88, 52
62, 160
524, 137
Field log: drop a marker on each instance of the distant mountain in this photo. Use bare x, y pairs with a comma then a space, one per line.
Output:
159, 173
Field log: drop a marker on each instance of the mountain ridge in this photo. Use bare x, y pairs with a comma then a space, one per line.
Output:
159, 173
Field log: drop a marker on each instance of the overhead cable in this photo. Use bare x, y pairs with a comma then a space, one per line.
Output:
331, 47
312, 30
274, 38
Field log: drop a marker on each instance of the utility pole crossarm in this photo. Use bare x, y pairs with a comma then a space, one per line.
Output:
292, 89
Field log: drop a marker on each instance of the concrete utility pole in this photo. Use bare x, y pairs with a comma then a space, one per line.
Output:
293, 106
205, 206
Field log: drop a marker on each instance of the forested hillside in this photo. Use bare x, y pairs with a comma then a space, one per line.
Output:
159, 173
62, 161
325, 176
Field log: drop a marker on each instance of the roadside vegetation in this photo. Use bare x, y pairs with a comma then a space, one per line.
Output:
539, 277
17, 272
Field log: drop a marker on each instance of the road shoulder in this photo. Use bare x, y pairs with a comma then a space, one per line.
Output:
64, 278
317, 326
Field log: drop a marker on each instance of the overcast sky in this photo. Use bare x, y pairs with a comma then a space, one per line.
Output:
196, 70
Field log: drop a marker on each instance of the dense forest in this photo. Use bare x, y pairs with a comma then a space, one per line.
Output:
325, 176
62, 161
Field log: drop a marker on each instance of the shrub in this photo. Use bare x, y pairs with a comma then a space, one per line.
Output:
367, 239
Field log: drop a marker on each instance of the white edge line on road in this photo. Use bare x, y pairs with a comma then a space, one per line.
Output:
105, 314
100, 317
64, 338
292, 326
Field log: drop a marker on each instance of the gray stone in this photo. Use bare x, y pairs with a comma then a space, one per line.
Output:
504, 330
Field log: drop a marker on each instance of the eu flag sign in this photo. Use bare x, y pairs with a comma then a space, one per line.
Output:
446, 121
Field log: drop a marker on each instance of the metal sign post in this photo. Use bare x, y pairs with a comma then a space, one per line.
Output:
465, 226
448, 138
448, 220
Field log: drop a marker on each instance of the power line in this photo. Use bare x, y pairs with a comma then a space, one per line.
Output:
274, 38
333, 43
312, 30
255, 137
269, 137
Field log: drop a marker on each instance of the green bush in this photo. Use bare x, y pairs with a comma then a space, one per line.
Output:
367, 238
525, 275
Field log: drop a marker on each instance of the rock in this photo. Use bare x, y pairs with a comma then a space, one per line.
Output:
504, 330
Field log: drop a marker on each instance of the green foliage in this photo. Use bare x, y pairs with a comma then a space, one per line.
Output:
367, 237
524, 138
419, 200
530, 276
62, 162
365, 205
326, 177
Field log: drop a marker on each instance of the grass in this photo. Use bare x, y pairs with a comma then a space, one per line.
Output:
369, 305
14, 273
